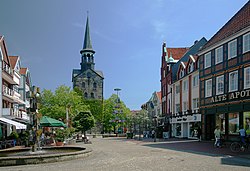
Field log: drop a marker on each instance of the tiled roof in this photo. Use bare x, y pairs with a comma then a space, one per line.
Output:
177, 53
23, 71
13, 61
238, 22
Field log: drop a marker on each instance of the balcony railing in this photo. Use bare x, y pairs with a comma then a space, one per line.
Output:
7, 91
7, 69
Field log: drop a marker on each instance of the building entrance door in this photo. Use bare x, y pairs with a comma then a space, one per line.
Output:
209, 127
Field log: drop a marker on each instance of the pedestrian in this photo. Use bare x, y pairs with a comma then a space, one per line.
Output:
153, 133
242, 133
199, 133
217, 135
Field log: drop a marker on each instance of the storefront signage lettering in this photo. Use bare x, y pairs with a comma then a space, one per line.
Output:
231, 96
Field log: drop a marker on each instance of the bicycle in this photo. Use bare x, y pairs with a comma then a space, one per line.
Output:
238, 146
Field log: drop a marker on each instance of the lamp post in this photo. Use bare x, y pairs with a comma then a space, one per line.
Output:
155, 123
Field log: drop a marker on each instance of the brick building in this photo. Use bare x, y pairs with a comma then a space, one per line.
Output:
225, 77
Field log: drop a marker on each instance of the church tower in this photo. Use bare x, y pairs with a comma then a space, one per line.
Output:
87, 51
87, 79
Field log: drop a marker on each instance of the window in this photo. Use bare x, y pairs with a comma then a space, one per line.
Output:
218, 55
185, 106
190, 67
247, 78
181, 74
195, 80
185, 86
92, 95
196, 103
177, 108
208, 88
94, 85
233, 120
220, 85
246, 122
232, 49
233, 81
83, 84
177, 89
246, 43
86, 95
207, 60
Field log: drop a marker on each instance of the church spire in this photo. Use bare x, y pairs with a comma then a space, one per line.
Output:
87, 45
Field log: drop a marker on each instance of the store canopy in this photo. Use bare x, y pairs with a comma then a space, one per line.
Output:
50, 122
17, 124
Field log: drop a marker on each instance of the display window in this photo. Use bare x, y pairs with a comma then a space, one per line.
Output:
233, 122
246, 122
220, 120
193, 127
178, 129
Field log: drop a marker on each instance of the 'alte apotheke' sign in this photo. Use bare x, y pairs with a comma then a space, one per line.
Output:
231, 96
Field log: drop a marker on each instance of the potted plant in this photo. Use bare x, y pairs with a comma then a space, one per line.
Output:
59, 137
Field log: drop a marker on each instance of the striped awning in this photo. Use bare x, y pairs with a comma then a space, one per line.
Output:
16, 124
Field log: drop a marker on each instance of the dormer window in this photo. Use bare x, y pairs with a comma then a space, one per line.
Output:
181, 74
190, 67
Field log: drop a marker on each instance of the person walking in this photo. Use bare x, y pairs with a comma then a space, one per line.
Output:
242, 133
217, 135
199, 133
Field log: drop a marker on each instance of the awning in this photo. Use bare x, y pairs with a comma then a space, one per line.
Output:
17, 124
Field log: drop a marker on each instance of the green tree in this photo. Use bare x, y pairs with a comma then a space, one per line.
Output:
109, 115
84, 121
55, 104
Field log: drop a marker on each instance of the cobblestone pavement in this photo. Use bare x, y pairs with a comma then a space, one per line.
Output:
112, 154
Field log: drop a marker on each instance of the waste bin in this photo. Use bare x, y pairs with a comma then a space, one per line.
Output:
129, 135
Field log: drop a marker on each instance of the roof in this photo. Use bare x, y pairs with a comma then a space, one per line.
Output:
87, 41
177, 53
23, 71
13, 61
184, 59
238, 22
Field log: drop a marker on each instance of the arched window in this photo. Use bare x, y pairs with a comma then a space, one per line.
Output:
92, 95
85, 95
83, 84
94, 85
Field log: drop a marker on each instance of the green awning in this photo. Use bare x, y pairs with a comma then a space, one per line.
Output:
50, 122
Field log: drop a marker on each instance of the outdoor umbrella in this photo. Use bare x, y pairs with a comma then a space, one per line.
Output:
50, 122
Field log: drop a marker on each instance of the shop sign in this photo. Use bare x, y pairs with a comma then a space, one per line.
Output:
231, 96
189, 118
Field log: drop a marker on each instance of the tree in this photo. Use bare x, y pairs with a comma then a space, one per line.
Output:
55, 104
109, 117
84, 121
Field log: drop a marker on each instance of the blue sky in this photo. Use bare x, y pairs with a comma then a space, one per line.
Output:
126, 35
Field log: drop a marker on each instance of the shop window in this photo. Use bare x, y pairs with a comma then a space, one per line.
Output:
178, 129
193, 129
220, 120
247, 78
220, 85
233, 81
246, 43
232, 49
233, 122
246, 121
207, 60
209, 88
218, 55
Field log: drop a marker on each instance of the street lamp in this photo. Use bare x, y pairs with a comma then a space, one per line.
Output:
117, 109
155, 123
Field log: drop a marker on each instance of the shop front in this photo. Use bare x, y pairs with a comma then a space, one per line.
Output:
185, 126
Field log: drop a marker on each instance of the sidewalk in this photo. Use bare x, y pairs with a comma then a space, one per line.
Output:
192, 146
